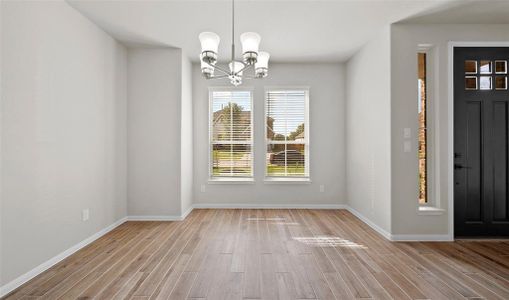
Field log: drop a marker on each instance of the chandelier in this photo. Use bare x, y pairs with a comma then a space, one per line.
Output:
251, 56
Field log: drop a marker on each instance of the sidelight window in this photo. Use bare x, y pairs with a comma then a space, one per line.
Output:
422, 134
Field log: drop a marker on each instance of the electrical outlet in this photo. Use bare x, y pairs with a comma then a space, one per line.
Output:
322, 188
202, 188
85, 214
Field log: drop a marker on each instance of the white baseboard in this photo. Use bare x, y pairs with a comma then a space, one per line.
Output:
187, 212
14, 284
421, 238
155, 218
402, 237
161, 217
371, 224
269, 206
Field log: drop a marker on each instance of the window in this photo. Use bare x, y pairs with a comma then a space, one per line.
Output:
423, 134
428, 190
231, 134
287, 133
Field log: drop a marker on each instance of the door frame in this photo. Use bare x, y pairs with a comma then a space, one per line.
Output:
450, 123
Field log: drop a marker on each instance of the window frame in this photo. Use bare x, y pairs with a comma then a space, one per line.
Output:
229, 179
307, 138
432, 206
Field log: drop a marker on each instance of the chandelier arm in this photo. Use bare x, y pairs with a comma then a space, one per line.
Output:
218, 77
219, 69
222, 70
243, 69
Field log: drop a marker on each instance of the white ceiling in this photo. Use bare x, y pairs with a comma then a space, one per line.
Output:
477, 12
291, 31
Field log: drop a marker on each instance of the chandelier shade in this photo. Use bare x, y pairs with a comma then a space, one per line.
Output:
250, 52
262, 64
207, 69
236, 69
250, 43
209, 41
209, 46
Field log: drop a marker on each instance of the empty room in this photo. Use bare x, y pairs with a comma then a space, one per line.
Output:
254, 149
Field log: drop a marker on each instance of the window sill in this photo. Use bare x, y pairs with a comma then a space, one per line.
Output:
430, 211
231, 181
283, 180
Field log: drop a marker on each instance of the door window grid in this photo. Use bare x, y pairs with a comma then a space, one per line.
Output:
486, 77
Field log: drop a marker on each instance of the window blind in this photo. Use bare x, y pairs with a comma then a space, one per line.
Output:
231, 134
287, 133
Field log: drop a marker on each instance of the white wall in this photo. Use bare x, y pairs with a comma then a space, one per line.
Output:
154, 132
63, 132
327, 139
1, 105
368, 130
404, 44
186, 169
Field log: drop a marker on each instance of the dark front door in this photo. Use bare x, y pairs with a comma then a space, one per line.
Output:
481, 130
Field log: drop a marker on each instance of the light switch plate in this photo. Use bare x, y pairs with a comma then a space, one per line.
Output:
322, 188
407, 133
202, 188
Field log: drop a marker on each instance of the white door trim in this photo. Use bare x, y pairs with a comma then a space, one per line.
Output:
450, 124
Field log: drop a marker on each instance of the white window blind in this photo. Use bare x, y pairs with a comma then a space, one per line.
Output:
287, 133
231, 134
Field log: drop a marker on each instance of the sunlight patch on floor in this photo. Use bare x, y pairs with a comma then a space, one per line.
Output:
329, 241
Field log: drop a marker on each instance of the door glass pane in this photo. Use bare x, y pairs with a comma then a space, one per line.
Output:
485, 67
485, 82
470, 83
501, 83
470, 67
501, 66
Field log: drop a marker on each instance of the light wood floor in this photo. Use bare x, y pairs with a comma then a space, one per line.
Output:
271, 254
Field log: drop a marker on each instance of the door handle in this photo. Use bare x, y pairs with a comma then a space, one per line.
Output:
459, 167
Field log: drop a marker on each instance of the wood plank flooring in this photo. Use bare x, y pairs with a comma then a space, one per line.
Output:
271, 254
